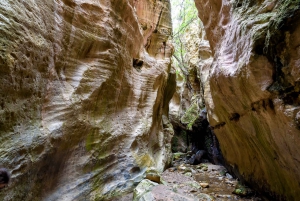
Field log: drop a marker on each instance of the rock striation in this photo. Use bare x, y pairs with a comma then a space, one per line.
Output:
254, 103
83, 97
155, 20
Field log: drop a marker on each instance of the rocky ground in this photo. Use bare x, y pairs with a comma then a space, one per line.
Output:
185, 182
206, 181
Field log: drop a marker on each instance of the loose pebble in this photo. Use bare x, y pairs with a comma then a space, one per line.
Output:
204, 185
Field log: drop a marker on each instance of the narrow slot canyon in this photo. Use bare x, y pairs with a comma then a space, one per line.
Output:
150, 100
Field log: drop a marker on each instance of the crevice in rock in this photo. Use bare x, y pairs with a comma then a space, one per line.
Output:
137, 64
234, 117
262, 104
201, 142
219, 125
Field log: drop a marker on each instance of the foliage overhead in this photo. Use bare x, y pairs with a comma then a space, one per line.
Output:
184, 13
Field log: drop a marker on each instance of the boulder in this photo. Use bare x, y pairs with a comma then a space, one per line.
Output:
196, 158
142, 188
153, 175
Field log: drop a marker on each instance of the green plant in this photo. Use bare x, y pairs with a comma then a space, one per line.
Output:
184, 13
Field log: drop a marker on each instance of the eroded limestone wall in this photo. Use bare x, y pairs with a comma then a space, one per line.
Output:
78, 121
254, 100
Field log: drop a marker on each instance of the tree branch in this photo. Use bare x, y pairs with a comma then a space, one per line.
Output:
182, 28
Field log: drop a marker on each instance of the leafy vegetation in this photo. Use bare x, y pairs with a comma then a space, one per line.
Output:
191, 115
184, 13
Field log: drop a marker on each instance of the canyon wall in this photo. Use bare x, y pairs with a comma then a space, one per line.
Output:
84, 90
253, 103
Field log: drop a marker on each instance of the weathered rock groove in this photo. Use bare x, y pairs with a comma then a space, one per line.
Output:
84, 96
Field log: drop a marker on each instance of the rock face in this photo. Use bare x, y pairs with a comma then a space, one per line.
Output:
82, 101
254, 103
155, 19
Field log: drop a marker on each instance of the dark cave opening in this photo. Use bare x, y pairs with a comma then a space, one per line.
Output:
200, 143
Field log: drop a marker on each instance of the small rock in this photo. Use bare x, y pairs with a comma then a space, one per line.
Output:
181, 168
239, 192
223, 196
175, 188
201, 166
229, 176
222, 173
196, 158
230, 182
153, 175
204, 185
189, 174
188, 170
178, 155
194, 184
204, 168
143, 187
242, 190
194, 171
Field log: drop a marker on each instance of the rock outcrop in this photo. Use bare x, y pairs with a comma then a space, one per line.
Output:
82, 101
254, 103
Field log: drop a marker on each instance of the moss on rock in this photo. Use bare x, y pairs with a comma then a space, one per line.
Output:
191, 115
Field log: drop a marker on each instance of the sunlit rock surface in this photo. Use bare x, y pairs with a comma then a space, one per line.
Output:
155, 19
81, 99
254, 80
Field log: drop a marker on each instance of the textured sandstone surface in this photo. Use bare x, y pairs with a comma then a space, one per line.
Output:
254, 101
82, 102
155, 19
